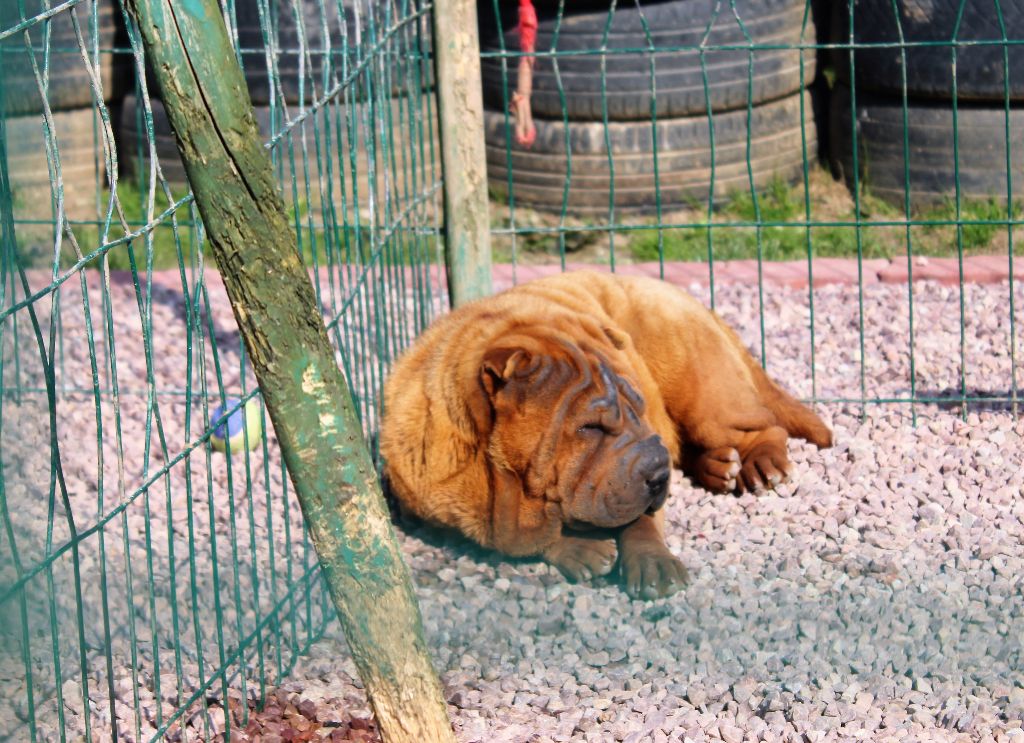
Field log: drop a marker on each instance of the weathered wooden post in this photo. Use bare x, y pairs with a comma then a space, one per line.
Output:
306, 395
461, 112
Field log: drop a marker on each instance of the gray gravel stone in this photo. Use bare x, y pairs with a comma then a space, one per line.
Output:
875, 596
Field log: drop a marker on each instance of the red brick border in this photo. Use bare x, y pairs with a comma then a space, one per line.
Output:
980, 269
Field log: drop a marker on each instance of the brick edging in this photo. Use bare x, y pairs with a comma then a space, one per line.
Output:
981, 269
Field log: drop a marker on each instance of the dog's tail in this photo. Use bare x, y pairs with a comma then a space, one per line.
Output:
798, 419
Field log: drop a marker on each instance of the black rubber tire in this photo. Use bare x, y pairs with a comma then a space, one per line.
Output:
132, 145
684, 158
981, 135
27, 166
134, 155
678, 76
70, 86
407, 52
980, 74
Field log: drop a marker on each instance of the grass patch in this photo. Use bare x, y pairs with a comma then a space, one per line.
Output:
976, 236
345, 244
164, 240
776, 243
35, 239
318, 244
780, 202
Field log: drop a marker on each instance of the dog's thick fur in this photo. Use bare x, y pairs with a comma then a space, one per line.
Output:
541, 421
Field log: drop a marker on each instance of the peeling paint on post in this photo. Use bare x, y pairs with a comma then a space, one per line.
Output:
306, 395
461, 113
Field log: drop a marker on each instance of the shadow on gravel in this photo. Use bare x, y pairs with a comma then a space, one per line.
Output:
952, 399
452, 542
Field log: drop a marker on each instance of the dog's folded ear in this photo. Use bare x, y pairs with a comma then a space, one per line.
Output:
499, 366
496, 368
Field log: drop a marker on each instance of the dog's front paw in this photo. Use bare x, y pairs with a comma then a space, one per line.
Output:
717, 469
763, 469
580, 558
650, 571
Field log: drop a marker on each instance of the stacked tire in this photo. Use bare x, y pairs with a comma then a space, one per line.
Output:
294, 63
365, 44
314, 151
70, 96
959, 111
631, 130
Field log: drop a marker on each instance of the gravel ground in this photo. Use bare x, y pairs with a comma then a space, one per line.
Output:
876, 596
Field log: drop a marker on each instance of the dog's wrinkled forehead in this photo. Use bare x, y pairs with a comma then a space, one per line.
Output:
569, 379
588, 383
616, 390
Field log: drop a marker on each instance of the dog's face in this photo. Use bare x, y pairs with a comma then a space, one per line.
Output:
572, 429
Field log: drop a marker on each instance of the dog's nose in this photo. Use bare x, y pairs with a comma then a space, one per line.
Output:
657, 489
652, 465
652, 457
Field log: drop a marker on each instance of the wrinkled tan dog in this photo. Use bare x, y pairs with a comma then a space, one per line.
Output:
544, 421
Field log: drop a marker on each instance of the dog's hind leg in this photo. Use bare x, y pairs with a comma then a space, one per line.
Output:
765, 460
713, 389
725, 453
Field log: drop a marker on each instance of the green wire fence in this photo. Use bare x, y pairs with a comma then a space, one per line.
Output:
705, 132
150, 586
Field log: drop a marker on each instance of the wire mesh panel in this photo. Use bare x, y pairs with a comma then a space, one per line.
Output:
840, 181
798, 165
752, 143
151, 585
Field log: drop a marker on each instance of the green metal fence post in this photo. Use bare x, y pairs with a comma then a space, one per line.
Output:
461, 113
205, 95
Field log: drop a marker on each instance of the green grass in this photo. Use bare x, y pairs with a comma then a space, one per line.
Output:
351, 245
344, 244
35, 239
975, 236
776, 243
780, 202
165, 243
